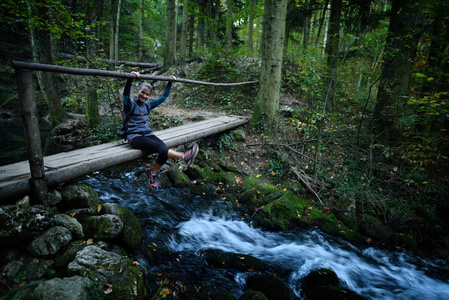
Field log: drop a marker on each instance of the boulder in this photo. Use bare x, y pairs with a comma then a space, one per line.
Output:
131, 234
103, 227
79, 196
18, 223
242, 262
271, 286
124, 280
69, 288
68, 222
48, 243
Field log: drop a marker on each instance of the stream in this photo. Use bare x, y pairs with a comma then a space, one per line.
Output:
189, 223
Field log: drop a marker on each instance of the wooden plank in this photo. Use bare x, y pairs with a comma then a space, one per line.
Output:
61, 167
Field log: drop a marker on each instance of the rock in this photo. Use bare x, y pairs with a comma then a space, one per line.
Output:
103, 227
69, 288
68, 222
322, 283
54, 197
82, 213
253, 295
178, 178
21, 223
124, 280
275, 215
272, 287
239, 135
131, 234
68, 253
79, 196
48, 243
242, 262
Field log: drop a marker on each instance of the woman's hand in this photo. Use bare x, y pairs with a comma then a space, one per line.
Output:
172, 77
136, 73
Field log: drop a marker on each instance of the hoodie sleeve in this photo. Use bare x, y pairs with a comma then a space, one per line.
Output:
161, 99
126, 95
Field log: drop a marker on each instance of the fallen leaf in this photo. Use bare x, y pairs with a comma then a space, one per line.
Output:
98, 207
108, 289
89, 242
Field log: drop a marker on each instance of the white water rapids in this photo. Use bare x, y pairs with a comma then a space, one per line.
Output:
190, 223
372, 273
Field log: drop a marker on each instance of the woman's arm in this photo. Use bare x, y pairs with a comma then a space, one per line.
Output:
127, 92
161, 99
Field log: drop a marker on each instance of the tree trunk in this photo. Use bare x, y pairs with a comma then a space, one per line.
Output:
170, 35
117, 27
191, 35
332, 49
184, 30
112, 10
47, 81
141, 16
229, 14
250, 41
273, 31
200, 30
322, 19
92, 11
400, 49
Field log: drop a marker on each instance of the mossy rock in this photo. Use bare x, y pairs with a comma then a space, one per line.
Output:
207, 189
374, 228
196, 173
272, 287
131, 233
178, 178
275, 215
79, 196
68, 253
325, 284
248, 196
163, 181
242, 262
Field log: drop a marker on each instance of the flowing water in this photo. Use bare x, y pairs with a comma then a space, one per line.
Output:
188, 224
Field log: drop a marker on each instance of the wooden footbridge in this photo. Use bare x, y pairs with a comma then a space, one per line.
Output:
64, 166
35, 175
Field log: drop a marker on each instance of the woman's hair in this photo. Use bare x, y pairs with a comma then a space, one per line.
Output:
147, 85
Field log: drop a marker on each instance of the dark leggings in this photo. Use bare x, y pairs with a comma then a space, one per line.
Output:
151, 144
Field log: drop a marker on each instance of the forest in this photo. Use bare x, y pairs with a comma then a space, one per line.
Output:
352, 100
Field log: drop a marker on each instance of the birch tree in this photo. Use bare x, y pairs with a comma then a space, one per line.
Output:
273, 34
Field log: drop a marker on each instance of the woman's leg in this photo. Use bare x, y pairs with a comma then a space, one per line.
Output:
152, 144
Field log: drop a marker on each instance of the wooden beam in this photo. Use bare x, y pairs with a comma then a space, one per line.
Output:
28, 112
64, 166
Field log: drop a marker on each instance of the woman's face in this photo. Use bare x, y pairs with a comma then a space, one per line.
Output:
144, 94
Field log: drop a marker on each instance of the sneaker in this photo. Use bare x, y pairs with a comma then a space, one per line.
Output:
152, 178
189, 155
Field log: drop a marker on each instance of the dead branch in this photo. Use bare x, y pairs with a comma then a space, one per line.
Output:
304, 178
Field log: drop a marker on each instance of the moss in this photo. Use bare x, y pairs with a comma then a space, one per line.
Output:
178, 178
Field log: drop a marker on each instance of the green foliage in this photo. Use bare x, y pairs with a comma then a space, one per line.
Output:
277, 166
236, 100
106, 130
226, 141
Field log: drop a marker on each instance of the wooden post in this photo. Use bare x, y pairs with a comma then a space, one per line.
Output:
28, 112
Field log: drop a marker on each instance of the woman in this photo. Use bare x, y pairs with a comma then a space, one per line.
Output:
139, 133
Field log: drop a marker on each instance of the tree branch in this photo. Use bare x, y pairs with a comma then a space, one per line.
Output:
79, 71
